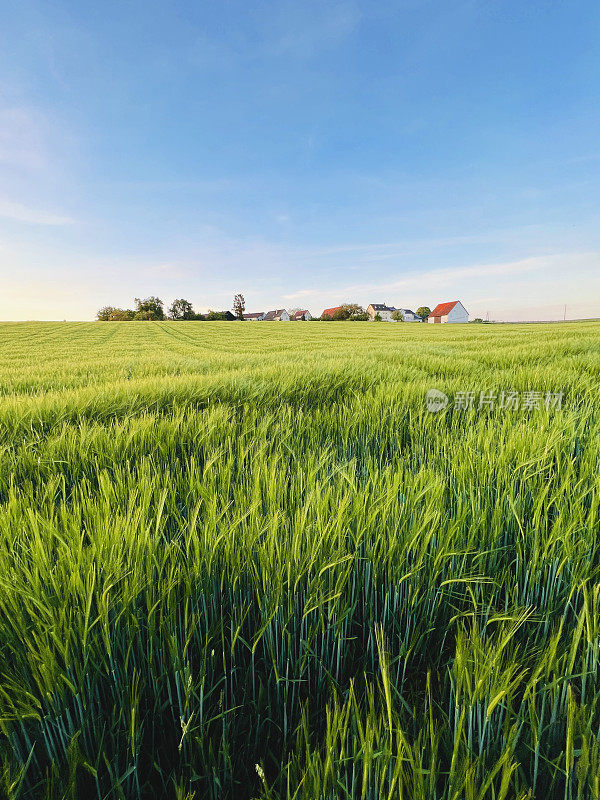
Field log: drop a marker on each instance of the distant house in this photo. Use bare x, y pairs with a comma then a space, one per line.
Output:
280, 315
385, 312
304, 315
255, 317
329, 312
408, 315
449, 312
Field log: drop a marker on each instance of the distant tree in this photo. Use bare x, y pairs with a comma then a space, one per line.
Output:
423, 311
181, 309
239, 306
477, 319
105, 313
398, 316
377, 317
341, 314
364, 317
214, 316
355, 312
149, 308
112, 314
145, 316
122, 315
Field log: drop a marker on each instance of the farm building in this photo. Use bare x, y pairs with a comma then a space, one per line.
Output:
449, 312
255, 317
303, 315
384, 311
279, 315
329, 312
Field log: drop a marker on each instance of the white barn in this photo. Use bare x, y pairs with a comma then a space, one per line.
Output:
449, 312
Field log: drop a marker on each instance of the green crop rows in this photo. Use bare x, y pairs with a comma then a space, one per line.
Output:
242, 560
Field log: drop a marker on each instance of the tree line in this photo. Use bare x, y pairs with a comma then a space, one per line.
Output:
152, 308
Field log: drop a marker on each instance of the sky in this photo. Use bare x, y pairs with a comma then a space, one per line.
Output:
303, 153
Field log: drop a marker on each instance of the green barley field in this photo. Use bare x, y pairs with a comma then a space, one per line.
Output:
245, 561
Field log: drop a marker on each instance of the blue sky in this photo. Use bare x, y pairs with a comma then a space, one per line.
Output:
304, 153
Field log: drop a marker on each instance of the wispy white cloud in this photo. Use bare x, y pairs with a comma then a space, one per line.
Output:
452, 275
22, 213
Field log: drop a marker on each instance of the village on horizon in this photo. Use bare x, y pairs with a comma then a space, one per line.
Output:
152, 308
452, 311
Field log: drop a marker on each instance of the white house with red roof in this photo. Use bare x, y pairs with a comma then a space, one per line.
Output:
449, 312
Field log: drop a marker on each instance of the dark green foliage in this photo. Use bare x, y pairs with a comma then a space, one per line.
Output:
151, 308
111, 314
216, 316
181, 309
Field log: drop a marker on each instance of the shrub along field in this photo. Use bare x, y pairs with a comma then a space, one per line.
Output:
244, 561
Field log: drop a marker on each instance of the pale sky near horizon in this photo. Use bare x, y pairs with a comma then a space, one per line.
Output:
304, 153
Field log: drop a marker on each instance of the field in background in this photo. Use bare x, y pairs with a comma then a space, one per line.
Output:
244, 561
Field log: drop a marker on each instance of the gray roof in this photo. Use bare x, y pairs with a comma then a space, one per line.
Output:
382, 307
274, 314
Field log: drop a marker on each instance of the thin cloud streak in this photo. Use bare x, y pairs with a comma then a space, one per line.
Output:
451, 275
21, 213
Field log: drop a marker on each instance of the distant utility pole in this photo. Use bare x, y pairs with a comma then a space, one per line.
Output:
565, 314
487, 316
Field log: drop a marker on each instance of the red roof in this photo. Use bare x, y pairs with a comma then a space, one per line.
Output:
329, 312
443, 308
